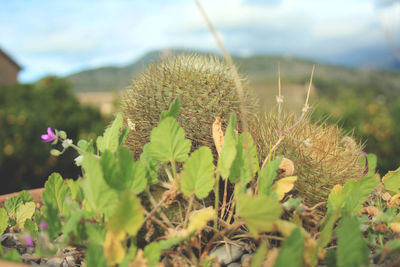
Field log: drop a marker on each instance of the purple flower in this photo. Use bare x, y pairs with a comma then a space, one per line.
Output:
43, 225
29, 241
49, 137
363, 153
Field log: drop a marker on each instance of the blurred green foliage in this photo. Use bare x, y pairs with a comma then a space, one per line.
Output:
26, 110
370, 109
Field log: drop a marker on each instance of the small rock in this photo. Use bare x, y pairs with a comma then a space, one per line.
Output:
244, 257
227, 253
54, 262
69, 261
234, 264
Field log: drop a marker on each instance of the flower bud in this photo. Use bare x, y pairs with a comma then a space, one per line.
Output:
62, 134
55, 152
66, 143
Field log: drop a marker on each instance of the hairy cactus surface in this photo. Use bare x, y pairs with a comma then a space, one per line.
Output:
206, 90
323, 155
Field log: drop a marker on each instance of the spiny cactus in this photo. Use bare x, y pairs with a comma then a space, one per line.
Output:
206, 90
322, 154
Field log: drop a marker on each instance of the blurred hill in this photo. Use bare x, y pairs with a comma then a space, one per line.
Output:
261, 70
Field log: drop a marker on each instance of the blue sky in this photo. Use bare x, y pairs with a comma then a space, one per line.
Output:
62, 37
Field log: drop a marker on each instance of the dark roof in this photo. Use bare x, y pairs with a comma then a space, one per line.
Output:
4, 54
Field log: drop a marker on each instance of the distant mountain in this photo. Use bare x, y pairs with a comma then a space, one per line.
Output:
260, 69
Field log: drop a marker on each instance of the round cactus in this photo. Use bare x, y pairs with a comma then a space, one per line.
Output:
206, 90
323, 155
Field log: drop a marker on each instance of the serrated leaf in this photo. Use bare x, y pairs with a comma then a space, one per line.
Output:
267, 176
113, 248
76, 189
56, 190
168, 142
228, 151
96, 233
283, 186
198, 173
100, 196
152, 251
151, 166
110, 138
24, 212
391, 181
291, 253
25, 196
3, 220
259, 212
128, 216
31, 227
198, 219
357, 193
12, 204
52, 218
95, 256
352, 249
71, 224
336, 199
245, 166
173, 110
123, 173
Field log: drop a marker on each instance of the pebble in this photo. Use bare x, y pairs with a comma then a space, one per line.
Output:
54, 262
244, 257
69, 261
227, 253
234, 264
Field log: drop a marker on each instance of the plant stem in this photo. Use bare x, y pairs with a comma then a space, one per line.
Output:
216, 196
175, 173
224, 200
188, 210
154, 203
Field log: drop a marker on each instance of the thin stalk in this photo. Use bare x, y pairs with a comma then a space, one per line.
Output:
216, 196
175, 173
154, 203
224, 199
188, 210
281, 137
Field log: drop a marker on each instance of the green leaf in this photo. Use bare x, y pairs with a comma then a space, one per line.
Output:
357, 193
291, 253
31, 227
153, 250
24, 212
56, 190
391, 181
352, 249
3, 220
76, 190
245, 166
52, 218
95, 256
11, 255
372, 160
123, 136
198, 173
168, 143
151, 166
110, 138
228, 150
259, 255
12, 204
173, 110
259, 212
100, 196
128, 215
72, 224
25, 196
96, 233
267, 176
123, 173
